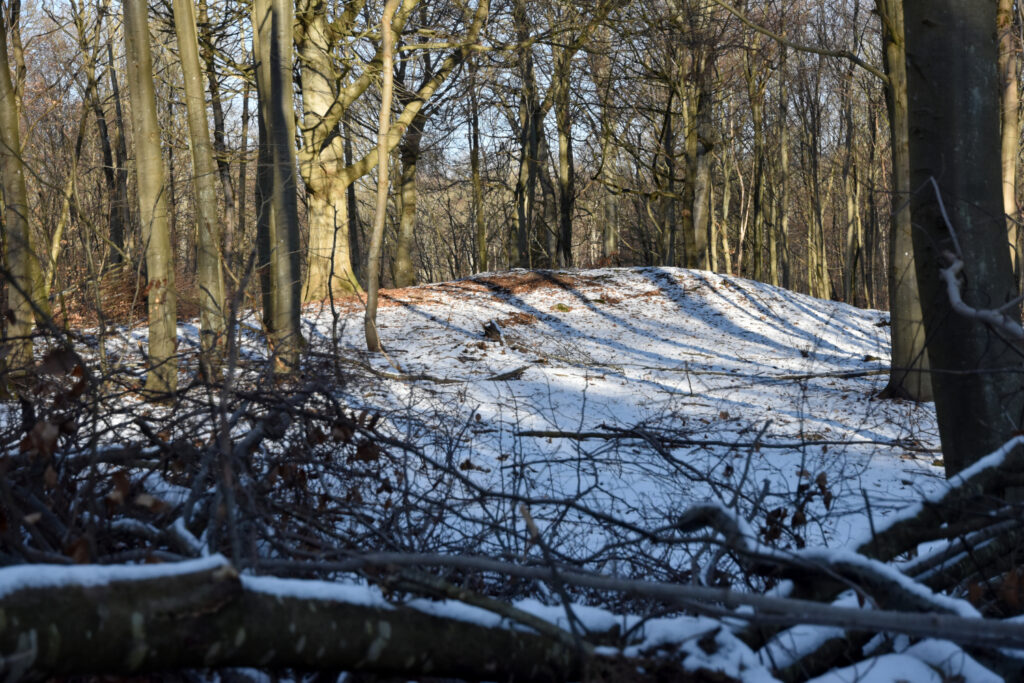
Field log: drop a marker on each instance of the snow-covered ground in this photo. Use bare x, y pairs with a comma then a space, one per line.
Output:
576, 415
715, 362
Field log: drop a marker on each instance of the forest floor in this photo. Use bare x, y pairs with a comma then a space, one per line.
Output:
579, 413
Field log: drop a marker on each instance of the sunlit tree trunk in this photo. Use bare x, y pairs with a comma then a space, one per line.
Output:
381, 207
204, 172
908, 376
152, 199
566, 163
1009, 76
329, 260
17, 319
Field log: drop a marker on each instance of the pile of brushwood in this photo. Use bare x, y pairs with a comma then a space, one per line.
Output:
155, 516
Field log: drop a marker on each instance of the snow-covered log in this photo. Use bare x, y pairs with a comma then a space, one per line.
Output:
60, 621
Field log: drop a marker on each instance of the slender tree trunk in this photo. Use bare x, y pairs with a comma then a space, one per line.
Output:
380, 210
566, 164
978, 376
121, 239
204, 169
243, 168
668, 202
520, 253
782, 193
1009, 76
355, 230
755, 93
724, 224
220, 147
909, 376
153, 215
474, 165
17, 318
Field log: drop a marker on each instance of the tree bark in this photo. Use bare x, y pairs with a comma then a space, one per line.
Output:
231, 210
909, 376
529, 112
152, 198
1010, 147
210, 617
204, 169
381, 208
566, 163
474, 166
17, 318
409, 155
272, 49
953, 96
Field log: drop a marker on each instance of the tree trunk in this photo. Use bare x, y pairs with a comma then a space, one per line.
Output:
526, 181
409, 154
328, 258
668, 201
152, 198
220, 147
909, 376
205, 615
1010, 148
474, 166
17, 318
755, 93
122, 242
272, 49
782, 194
953, 98
381, 208
566, 164
210, 275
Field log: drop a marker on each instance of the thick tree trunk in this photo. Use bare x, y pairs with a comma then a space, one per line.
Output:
702, 182
154, 619
210, 274
409, 155
953, 98
152, 197
909, 376
272, 49
328, 259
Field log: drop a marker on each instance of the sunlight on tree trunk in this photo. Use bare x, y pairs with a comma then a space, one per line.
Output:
381, 208
152, 198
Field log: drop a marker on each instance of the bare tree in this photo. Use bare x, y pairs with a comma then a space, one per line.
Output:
152, 201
